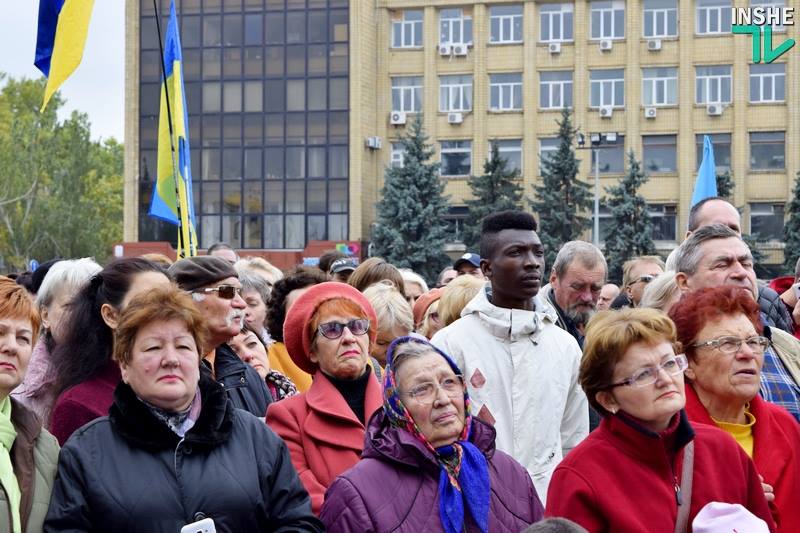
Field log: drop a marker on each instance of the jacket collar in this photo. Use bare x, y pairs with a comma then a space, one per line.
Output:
131, 418
329, 411
628, 435
226, 362
510, 323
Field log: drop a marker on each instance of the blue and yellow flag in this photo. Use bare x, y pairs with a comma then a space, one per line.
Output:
61, 37
706, 184
172, 195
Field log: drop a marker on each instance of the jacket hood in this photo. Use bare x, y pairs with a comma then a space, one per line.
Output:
515, 322
391, 444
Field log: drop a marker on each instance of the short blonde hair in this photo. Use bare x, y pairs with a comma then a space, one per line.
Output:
455, 297
260, 266
426, 326
409, 276
609, 334
660, 291
391, 308
628, 265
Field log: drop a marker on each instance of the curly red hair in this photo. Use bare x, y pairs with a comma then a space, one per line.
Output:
696, 309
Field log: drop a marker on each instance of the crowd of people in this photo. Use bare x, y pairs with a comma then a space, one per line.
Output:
152, 395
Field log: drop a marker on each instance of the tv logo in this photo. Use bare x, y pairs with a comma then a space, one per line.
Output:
758, 21
351, 249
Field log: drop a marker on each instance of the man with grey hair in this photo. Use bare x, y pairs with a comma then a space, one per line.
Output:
577, 277
716, 255
217, 292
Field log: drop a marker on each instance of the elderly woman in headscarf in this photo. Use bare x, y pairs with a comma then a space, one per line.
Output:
328, 333
428, 465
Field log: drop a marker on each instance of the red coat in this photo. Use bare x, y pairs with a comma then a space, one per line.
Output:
776, 445
323, 435
623, 479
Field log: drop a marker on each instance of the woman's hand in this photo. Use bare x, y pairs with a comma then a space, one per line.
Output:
768, 490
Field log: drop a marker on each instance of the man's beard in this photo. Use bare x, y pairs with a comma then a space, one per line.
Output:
580, 317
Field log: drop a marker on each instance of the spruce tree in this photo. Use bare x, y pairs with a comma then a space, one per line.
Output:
630, 228
410, 230
562, 199
791, 231
498, 189
725, 185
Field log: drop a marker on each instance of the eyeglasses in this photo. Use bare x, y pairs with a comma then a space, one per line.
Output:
226, 292
334, 330
426, 393
731, 345
647, 278
649, 374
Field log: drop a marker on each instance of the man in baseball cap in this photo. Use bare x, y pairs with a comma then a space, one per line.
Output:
469, 263
342, 268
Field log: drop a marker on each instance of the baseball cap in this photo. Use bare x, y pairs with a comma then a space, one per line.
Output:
472, 259
340, 265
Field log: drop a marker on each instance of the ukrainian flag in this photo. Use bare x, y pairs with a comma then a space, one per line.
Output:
63, 25
172, 195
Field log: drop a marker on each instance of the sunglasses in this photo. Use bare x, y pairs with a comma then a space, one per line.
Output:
334, 330
226, 292
647, 278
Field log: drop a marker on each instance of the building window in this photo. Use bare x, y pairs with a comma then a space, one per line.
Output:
660, 18
511, 151
398, 153
612, 157
665, 221
607, 87
506, 92
660, 86
548, 147
660, 153
454, 27
766, 221
722, 150
608, 19
771, 3
407, 31
767, 150
555, 23
555, 89
768, 82
407, 94
713, 17
506, 24
455, 93
456, 158
455, 219
603, 222
713, 84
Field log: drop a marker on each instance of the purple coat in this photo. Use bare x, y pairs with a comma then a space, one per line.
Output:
394, 487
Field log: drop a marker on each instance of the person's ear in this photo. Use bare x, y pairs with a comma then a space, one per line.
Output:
553, 278
486, 268
628, 291
110, 315
682, 281
607, 400
689, 372
123, 368
45, 315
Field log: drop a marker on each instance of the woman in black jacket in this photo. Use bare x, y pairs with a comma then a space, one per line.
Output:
173, 450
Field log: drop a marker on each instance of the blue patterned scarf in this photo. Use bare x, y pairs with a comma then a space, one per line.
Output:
464, 470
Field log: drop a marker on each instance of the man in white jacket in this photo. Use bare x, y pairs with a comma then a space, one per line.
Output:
521, 369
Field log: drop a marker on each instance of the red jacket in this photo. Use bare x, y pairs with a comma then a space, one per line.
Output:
622, 477
323, 435
776, 445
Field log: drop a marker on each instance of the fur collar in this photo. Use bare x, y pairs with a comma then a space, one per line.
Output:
134, 422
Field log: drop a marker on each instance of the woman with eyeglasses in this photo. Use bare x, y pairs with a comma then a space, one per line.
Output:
722, 333
428, 465
328, 333
646, 467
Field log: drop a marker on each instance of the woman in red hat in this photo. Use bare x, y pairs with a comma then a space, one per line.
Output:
328, 333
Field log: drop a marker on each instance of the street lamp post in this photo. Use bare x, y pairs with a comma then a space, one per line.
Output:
596, 139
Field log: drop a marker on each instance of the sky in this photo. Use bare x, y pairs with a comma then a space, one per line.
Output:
97, 87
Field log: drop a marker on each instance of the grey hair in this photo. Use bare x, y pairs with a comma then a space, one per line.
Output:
690, 253
659, 291
70, 275
391, 307
409, 276
252, 281
408, 350
198, 296
589, 255
555, 525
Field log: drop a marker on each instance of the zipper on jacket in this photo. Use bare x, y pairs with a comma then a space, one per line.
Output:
175, 456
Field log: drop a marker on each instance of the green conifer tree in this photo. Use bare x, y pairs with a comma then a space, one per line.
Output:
562, 199
725, 185
497, 189
630, 229
410, 230
791, 231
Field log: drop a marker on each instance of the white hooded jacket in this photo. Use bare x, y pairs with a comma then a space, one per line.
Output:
521, 371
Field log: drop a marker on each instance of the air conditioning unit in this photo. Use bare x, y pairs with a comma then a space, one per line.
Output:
606, 45
374, 143
714, 109
554, 48
654, 45
445, 49
606, 111
460, 49
455, 118
650, 112
397, 118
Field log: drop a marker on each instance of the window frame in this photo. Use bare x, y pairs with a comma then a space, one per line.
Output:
415, 90
603, 89
463, 92
550, 87
503, 146
462, 21
618, 150
664, 211
775, 76
512, 25
717, 142
397, 155
511, 90
654, 82
722, 12
767, 210
651, 141
455, 150
767, 142
709, 79
414, 28
667, 13
546, 152
557, 18
616, 5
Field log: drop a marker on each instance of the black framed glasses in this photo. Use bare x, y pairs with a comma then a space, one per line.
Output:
334, 330
226, 292
649, 374
426, 393
731, 344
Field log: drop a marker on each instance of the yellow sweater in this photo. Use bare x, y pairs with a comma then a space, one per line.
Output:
743, 433
279, 360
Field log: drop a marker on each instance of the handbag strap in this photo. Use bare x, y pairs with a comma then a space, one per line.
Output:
684, 492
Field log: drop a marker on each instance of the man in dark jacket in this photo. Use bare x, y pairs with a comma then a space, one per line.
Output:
216, 290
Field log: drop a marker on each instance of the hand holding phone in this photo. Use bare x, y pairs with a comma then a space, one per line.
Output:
206, 525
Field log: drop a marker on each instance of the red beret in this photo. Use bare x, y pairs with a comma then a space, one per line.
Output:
295, 337
423, 303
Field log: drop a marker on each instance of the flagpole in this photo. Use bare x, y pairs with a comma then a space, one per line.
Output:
182, 244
